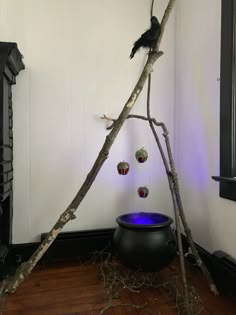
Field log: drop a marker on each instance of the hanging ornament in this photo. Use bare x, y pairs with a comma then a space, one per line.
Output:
141, 155
123, 168
143, 192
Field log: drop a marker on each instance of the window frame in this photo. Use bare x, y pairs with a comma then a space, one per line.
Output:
227, 176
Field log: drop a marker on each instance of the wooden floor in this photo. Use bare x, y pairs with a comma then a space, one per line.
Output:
78, 290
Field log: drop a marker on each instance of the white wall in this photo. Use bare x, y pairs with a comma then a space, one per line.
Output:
197, 106
77, 68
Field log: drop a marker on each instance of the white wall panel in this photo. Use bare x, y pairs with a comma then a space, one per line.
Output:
77, 69
197, 108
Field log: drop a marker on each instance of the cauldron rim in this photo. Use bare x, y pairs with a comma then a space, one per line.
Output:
121, 220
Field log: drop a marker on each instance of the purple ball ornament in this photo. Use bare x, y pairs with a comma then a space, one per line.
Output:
141, 155
123, 168
143, 192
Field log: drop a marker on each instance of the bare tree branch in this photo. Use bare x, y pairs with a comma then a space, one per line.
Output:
24, 270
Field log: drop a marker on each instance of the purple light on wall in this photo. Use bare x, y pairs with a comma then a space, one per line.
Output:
195, 140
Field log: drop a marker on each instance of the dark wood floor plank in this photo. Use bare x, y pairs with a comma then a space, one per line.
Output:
77, 290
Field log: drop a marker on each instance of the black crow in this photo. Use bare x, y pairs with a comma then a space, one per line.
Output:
149, 38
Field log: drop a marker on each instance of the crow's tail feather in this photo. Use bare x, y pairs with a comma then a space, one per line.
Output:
132, 53
137, 45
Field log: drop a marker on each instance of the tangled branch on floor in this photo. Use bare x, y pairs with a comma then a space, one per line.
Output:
119, 281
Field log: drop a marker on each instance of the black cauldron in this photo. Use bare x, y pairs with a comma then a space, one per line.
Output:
144, 240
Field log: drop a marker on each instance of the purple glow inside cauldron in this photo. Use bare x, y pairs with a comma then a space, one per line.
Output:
144, 240
142, 219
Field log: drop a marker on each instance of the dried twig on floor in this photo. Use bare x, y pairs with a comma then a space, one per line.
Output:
117, 279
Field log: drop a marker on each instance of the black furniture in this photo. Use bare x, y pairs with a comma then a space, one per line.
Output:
10, 65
